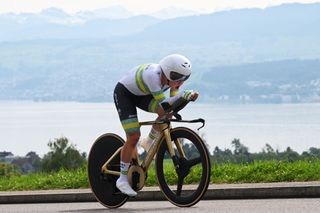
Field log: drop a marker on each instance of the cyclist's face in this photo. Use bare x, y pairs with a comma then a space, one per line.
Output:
176, 83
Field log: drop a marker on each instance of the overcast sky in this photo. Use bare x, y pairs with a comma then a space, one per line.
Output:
136, 6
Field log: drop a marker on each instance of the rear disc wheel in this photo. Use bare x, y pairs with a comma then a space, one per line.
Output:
103, 185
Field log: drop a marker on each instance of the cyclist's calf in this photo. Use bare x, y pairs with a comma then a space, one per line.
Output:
130, 146
133, 138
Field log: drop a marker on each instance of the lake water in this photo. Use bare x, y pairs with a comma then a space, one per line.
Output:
26, 126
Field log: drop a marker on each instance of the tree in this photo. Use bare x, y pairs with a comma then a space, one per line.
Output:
290, 155
62, 155
217, 151
268, 153
241, 152
239, 148
8, 170
221, 156
314, 152
34, 160
190, 150
269, 148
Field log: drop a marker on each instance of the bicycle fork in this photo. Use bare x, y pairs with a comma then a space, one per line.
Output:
167, 135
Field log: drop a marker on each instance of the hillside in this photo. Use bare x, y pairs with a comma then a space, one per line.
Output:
291, 81
238, 55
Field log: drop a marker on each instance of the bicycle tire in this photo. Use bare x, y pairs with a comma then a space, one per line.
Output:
183, 197
104, 186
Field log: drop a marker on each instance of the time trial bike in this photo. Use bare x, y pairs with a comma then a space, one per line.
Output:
180, 157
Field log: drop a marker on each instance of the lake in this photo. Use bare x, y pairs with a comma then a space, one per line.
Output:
29, 126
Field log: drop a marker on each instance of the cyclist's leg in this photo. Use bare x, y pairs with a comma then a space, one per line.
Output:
149, 104
129, 147
125, 103
126, 156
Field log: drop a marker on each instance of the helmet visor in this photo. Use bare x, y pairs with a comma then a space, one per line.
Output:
174, 76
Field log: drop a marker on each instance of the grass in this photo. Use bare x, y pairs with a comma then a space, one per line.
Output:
257, 172
60, 180
267, 171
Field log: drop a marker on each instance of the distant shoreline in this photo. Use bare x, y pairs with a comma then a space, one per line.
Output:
199, 102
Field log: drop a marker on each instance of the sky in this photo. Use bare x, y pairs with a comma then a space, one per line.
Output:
137, 6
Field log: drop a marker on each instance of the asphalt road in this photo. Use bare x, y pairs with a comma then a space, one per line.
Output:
311, 205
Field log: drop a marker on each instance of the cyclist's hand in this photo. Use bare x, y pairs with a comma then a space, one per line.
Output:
194, 96
190, 95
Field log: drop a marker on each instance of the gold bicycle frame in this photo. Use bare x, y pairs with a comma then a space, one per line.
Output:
165, 132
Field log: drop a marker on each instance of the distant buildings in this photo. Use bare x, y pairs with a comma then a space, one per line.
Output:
6, 157
22, 163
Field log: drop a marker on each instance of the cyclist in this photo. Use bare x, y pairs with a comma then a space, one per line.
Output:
144, 87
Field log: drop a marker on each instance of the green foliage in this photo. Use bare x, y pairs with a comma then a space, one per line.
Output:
241, 154
62, 156
34, 159
63, 167
8, 170
266, 171
63, 179
256, 172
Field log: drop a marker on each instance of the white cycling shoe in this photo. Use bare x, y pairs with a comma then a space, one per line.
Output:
125, 188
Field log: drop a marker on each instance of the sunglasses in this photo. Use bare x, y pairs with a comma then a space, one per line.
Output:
174, 76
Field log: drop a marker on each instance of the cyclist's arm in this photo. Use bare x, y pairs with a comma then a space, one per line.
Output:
165, 103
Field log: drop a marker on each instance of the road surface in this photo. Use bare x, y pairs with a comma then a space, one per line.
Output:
311, 205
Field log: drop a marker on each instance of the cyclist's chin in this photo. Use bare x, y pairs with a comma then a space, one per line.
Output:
175, 84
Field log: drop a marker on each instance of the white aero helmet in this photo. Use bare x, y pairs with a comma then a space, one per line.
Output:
176, 67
